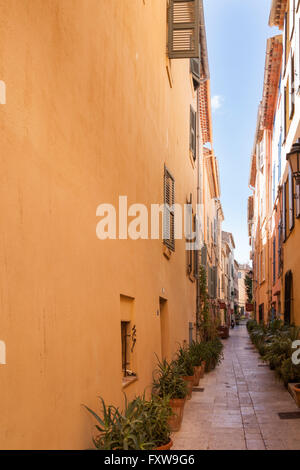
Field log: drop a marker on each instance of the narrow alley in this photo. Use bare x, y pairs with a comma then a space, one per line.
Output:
239, 406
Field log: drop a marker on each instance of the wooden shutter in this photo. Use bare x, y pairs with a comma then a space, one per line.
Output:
274, 260
195, 71
193, 132
291, 200
169, 215
292, 88
204, 256
297, 189
284, 212
184, 29
196, 252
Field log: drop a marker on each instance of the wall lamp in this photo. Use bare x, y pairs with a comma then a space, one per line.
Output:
294, 160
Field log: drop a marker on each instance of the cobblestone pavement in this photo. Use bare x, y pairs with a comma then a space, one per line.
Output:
239, 406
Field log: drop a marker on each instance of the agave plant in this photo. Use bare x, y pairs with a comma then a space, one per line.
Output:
184, 362
167, 381
143, 425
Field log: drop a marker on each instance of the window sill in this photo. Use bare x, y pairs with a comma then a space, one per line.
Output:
126, 381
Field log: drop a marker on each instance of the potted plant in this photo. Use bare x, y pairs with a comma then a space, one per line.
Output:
143, 425
184, 366
196, 350
168, 384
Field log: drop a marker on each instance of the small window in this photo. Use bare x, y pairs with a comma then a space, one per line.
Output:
128, 339
169, 213
125, 336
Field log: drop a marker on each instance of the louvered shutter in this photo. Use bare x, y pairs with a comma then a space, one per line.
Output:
291, 200
215, 281
297, 201
196, 252
184, 29
193, 132
292, 88
169, 200
195, 71
204, 256
284, 212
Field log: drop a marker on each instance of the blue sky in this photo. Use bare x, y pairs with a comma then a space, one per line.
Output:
237, 32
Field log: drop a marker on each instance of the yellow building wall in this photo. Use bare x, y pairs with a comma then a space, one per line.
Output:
291, 262
90, 115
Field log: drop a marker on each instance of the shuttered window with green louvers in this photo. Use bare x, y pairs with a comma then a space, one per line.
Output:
183, 29
204, 256
169, 215
193, 132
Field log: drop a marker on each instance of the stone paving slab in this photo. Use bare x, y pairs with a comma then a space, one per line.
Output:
239, 407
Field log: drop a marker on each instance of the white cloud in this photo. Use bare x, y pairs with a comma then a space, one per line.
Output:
217, 102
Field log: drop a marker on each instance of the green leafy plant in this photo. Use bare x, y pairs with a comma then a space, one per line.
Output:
167, 381
143, 425
206, 326
184, 362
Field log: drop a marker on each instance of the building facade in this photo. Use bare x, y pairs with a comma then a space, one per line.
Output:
274, 207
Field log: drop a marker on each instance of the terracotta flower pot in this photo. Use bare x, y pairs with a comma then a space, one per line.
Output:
190, 383
165, 447
202, 372
197, 375
295, 392
177, 405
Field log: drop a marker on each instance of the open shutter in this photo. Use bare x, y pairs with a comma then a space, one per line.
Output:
292, 88
193, 132
297, 189
184, 29
291, 200
284, 212
169, 215
195, 71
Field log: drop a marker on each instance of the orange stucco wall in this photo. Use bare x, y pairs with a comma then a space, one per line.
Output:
90, 115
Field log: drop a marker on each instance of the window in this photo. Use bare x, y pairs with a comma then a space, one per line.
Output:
193, 124
273, 184
279, 157
297, 190
125, 336
284, 212
292, 89
291, 200
183, 29
204, 256
274, 260
279, 248
169, 214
